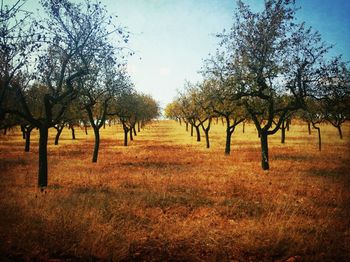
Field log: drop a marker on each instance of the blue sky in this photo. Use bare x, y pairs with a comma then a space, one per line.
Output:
172, 37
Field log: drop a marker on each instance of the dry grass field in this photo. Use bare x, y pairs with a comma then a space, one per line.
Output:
166, 197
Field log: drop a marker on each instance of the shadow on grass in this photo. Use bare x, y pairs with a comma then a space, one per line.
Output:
292, 157
7, 164
330, 173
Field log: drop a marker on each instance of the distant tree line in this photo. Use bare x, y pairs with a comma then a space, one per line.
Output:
66, 70
268, 68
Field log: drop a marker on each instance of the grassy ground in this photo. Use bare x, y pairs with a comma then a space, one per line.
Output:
167, 197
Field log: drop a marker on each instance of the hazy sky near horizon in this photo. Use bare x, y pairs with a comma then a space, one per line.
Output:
172, 37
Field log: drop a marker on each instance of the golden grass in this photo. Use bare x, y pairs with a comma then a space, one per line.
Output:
167, 197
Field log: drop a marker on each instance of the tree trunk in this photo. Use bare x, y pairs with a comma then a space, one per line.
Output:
5, 131
228, 141
206, 132
126, 131
27, 136
319, 137
104, 125
288, 122
138, 127
217, 120
264, 150
131, 136
73, 132
58, 134
23, 130
243, 127
207, 137
97, 144
340, 132
186, 126
309, 127
85, 127
191, 130
134, 129
180, 121
283, 132
198, 134
43, 136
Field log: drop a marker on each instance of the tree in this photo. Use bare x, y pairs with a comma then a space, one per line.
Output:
34, 94
73, 37
191, 110
97, 94
131, 107
203, 101
173, 111
314, 115
74, 116
18, 40
148, 109
222, 103
335, 93
271, 55
125, 109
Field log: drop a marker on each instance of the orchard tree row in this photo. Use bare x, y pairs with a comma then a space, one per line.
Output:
67, 69
268, 68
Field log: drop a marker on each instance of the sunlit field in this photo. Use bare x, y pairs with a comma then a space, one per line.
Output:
167, 197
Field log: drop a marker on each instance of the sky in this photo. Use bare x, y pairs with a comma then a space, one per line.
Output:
172, 37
